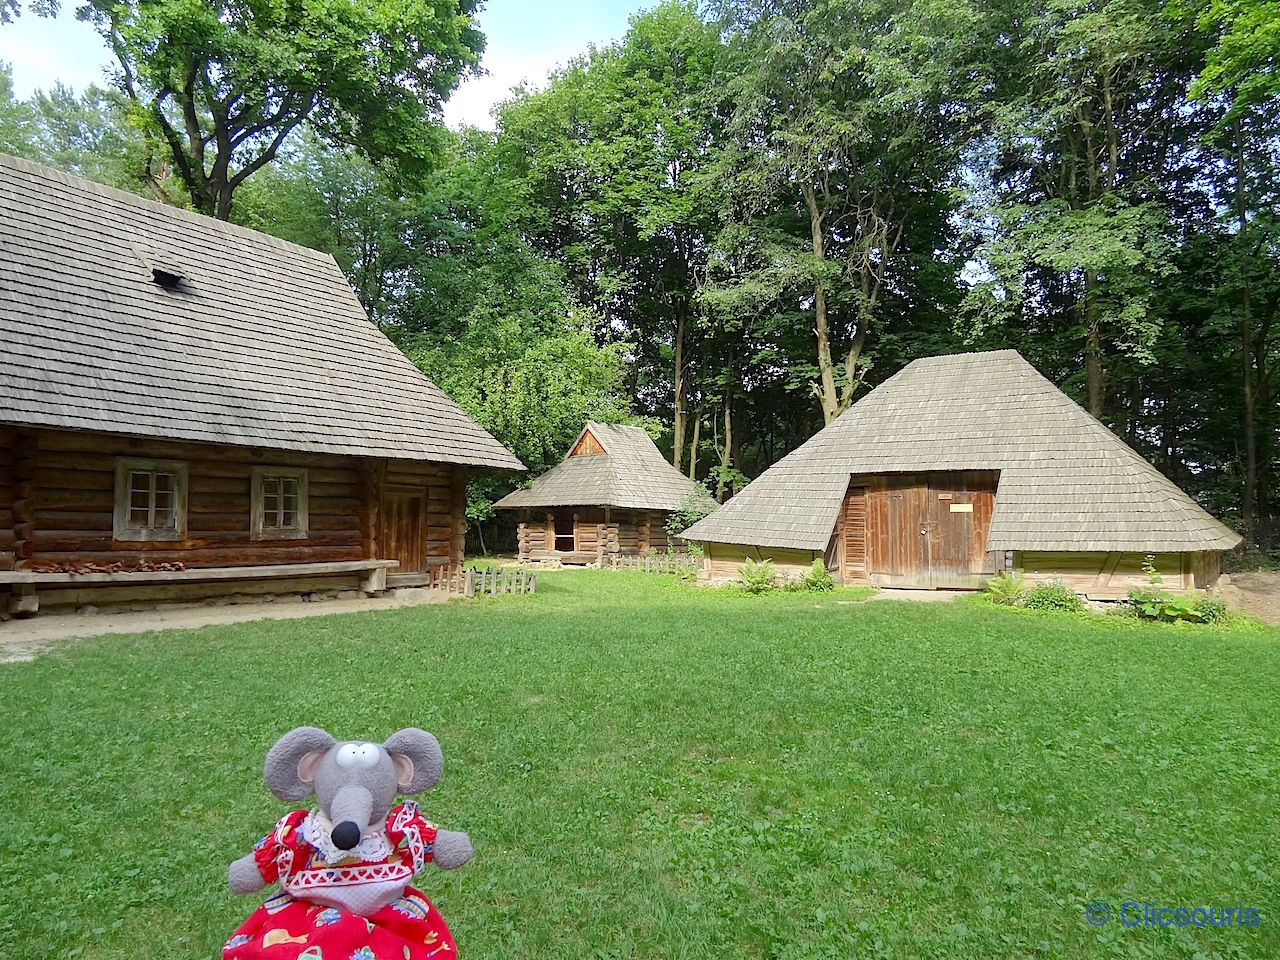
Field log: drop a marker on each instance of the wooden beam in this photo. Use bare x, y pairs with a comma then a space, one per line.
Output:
269, 571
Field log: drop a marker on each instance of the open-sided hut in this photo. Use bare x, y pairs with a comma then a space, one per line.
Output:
189, 408
609, 497
960, 467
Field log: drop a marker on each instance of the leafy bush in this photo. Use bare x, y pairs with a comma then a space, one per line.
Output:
694, 507
1212, 609
1153, 602
819, 578
757, 577
1007, 589
1054, 595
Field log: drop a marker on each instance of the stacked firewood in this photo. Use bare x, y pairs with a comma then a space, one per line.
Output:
118, 566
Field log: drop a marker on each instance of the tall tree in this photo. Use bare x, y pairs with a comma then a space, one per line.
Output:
225, 84
850, 123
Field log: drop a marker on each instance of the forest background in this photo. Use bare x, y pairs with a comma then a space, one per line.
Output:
733, 222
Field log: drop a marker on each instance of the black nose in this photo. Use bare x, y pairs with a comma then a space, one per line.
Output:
346, 835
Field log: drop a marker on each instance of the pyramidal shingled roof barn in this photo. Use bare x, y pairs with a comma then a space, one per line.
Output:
609, 497
959, 467
189, 408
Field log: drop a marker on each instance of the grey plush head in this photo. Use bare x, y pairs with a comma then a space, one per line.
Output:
355, 782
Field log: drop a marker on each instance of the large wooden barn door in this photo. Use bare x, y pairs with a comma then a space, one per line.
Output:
930, 530
403, 535
854, 534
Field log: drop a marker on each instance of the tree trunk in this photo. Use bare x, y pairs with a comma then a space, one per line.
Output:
726, 452
1095, 375
826, 389
677, 453
693, 447
1249, 495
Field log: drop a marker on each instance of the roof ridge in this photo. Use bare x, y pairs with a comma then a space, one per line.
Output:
155, 206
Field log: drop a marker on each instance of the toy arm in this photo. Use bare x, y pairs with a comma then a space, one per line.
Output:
243, 876
451, 849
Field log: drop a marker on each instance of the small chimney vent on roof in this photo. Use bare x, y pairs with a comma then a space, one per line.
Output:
166, 278
164, 270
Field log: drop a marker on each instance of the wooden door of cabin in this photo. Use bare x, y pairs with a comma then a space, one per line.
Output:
403, 538
930, 530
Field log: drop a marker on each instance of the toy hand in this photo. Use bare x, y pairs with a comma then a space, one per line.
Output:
451, 849
243, 876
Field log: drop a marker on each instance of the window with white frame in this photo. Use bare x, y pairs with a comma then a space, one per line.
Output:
279, 503
150, 499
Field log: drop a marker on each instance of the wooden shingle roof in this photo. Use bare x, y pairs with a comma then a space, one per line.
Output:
631, 473
1067, 483
260, 342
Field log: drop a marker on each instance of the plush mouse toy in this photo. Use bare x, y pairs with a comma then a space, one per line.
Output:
344, 868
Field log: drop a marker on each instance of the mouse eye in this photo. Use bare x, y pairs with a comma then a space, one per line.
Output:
349, 754
367, 755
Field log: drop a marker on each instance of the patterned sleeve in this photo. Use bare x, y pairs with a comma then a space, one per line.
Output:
411, 834
276, 849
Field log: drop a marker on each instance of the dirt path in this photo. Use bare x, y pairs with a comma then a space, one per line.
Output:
27, 639
1257, 593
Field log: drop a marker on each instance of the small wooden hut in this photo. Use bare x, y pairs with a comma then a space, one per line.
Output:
957, 468
191, 409
609, 497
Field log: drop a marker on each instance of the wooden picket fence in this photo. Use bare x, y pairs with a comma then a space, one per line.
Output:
458, 582
673, 563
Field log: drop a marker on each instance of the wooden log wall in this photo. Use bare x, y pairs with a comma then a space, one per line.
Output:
74, 480
720, 561
1112, 575
8, 442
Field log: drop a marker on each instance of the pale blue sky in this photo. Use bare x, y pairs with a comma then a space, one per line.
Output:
526, 39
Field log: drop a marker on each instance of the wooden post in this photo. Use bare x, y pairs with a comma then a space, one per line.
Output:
368, 491
549, 540
469, 583
24, 504
642, 535
376, 581
458, 514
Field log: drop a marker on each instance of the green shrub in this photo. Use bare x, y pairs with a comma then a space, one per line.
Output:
1054, 595
819, 578
1153, 602
757, 576
1007, 589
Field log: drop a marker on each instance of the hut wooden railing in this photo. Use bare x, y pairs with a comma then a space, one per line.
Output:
673, 563
457, 582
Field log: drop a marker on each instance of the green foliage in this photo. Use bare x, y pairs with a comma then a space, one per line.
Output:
1007, 589
243, 77
1153, 602
757, 576
819, 579
1054, 596
693, 508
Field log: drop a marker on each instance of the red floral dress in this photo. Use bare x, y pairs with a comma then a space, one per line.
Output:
344, 904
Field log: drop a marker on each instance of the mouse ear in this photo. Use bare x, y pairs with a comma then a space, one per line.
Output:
291, 763
417, 758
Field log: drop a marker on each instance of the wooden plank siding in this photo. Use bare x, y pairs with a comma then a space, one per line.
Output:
720, 561
357, 509
586, 446
1110, 576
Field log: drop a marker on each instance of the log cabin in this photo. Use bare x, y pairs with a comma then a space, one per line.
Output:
190, 409
610, 496
958, 468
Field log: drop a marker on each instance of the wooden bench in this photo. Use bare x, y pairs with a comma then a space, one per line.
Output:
24, 582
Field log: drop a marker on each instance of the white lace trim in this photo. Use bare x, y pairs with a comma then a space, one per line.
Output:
316, 830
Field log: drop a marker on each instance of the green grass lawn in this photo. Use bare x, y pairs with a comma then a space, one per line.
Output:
651, 770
